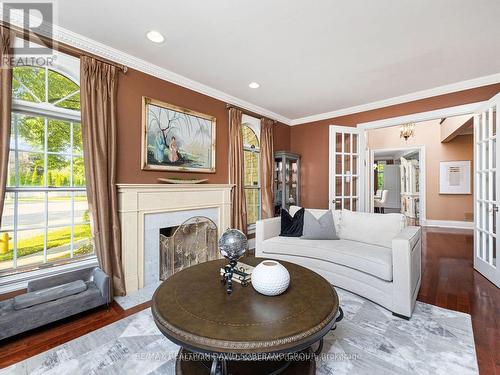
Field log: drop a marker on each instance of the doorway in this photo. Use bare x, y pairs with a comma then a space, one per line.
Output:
397, 182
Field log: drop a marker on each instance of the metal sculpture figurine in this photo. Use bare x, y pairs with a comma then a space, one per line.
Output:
233, 244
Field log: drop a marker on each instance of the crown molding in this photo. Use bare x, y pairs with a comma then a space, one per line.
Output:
60, 34
85, 44
441, 90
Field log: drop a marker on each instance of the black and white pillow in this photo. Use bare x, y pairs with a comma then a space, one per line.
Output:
292, 226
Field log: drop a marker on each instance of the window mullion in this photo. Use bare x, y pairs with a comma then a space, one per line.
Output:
71, 184
45, 177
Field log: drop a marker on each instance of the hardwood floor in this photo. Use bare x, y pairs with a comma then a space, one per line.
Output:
448, 280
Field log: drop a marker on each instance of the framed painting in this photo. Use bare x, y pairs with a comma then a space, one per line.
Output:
176, 139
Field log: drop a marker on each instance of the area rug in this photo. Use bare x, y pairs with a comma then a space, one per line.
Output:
368, 341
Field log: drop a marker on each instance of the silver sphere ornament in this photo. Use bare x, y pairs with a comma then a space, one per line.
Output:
233, 244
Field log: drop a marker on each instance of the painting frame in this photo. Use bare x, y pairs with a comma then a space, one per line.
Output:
147, 165
460, 172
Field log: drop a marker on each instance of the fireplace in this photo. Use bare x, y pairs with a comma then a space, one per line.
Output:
145, 209
192, 242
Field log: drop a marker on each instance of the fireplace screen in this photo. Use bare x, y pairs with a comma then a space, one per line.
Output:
193, 242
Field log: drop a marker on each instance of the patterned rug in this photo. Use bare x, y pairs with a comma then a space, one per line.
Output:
368, 341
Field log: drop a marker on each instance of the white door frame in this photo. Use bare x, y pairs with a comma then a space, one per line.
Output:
487, 191
333, 129
414, 117
421, 180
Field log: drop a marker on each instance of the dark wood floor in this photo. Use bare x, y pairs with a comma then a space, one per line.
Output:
448, 280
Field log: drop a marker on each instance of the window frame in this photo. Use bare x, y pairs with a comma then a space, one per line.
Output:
47, 111
254, 125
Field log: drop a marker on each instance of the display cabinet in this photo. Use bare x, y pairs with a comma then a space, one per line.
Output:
286, 180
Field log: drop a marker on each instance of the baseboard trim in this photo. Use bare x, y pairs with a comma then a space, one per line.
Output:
448, 224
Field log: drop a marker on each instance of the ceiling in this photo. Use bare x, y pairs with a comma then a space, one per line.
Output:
309, 57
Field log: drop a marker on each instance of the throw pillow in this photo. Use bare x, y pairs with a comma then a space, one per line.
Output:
292, 226
322, 228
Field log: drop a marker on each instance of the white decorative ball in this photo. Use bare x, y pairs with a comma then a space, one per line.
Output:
270, 278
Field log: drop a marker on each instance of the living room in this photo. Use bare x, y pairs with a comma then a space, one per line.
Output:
312, 192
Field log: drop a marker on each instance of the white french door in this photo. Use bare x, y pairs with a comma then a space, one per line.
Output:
346, 174
486, 190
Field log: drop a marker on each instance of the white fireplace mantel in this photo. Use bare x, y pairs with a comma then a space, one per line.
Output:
135, 201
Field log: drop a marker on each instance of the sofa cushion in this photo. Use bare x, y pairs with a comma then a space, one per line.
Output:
318, 212
374, 229
371, 259
49, 294
291, 226
319, 229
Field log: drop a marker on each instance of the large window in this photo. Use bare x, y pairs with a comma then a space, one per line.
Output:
45, 218
251, 151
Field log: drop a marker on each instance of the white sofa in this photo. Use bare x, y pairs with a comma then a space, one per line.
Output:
377, 256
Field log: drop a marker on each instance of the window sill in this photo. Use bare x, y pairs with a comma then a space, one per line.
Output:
20, 281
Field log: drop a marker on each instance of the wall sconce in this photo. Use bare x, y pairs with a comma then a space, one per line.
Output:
406, 131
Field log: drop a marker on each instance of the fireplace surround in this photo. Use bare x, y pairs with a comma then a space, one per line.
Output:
146, 208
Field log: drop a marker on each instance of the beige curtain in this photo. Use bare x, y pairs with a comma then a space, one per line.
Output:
236, 171
266, 167
98, 96
6, 41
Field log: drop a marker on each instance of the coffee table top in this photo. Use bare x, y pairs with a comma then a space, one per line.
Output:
192, 309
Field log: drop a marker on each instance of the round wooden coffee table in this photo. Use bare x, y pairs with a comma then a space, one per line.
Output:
244, 332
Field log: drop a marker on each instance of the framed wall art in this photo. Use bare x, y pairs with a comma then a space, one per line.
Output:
454, 177
176, 139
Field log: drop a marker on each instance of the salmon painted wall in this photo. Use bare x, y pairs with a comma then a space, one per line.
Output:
131, 88
428, 134
311, 139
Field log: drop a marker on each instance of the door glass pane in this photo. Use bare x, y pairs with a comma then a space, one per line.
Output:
347, 186
347, 142
494, 121
354, 204
354, 165
494, 152
31, 210
347, 204
338, 204
354, 143
338, 186
347, 163
338, 164
338, 142
354, 186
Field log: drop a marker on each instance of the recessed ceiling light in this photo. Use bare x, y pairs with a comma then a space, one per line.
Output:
253, 85
155, 36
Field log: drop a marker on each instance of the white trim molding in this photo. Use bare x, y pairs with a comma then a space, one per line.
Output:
71, 38
454, 224
423, 116
441, 90
20, 280
62, 35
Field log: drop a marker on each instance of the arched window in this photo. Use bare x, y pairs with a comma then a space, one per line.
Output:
251, 152
46, 213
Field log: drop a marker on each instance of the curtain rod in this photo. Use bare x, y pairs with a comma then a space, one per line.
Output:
62, 47
247, 112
